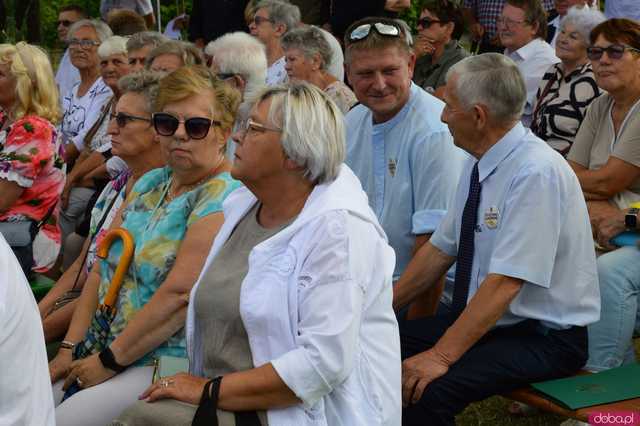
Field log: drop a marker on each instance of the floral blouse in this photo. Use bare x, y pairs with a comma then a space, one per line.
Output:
158, 228
342, 95
31, 156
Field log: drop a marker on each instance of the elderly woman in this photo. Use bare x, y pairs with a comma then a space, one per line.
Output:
289, 316
31, 175
606, 159
170, 56
436, 45
569, 87
136, 143
307, 55
173, 214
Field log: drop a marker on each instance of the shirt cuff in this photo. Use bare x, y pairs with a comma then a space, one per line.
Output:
426, 221
508, 269
441, 243
299, 374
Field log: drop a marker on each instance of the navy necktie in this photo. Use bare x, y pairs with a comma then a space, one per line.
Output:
466, 245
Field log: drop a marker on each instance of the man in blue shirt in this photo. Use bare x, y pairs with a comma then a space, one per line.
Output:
526, 282
396, 145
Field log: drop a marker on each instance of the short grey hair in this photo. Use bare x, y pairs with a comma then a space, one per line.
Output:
102, 30
584, 20
144, 83
310, 41
281, 12
145, 38
493, 80
187, 52
313, 133
114, 45
239, 53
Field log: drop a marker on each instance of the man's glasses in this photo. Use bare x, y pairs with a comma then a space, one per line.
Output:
122, 119
64, 23
260, 19
427, 22
615, 51
84, 44
508, 22
195, 127
362, 31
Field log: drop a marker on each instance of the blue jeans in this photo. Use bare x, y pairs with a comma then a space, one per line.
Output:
610, 339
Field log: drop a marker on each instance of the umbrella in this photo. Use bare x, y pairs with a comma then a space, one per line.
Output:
98, 332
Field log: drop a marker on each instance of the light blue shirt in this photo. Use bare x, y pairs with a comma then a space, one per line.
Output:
532, 225
408, 166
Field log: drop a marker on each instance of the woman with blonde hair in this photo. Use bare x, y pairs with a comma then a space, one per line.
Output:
173, 213
31, 168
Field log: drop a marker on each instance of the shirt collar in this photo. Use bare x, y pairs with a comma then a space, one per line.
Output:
389, 124
526, 51
498, 152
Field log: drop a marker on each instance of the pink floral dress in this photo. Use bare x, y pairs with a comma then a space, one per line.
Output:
30, 155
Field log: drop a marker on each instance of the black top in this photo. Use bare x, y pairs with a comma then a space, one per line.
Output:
346, 12
212, 18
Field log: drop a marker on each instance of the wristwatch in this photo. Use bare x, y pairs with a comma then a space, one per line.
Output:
631, 218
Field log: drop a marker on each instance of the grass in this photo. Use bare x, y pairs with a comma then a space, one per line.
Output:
493, 411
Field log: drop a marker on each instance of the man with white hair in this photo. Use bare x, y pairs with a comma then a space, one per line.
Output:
396, 145
273, 18
526, 282
239, 60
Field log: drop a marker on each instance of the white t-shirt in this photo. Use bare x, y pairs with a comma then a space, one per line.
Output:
25, 388
67, 75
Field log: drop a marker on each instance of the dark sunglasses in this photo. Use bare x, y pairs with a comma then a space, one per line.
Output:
195, 127
64, 23
615, 51
362, 31
122, 119
427, 22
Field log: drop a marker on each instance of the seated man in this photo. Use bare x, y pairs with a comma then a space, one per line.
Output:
526, 283
396, 145
522, 28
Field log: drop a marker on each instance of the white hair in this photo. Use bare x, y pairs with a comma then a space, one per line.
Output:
281, 12
313, 133
114, 45
239, 53
492, 80
584, 19
102, 30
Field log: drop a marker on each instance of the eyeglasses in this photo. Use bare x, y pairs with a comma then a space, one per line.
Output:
255, 127
257, 20
427, 22
122, 119
85, 44
64, 23
195, 127
508, 22
362, 31
615, 51
133, 61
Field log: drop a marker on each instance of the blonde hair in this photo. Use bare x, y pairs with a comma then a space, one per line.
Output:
193, 80
36, 91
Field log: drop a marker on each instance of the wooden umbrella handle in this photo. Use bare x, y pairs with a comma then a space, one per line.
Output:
125, 260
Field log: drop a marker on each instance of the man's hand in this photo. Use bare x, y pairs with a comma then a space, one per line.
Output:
607, 228
423, 46
418, 371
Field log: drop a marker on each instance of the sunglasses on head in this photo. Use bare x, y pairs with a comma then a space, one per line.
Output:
427, 22
122, 119
362, 31
195, 127
615, 51
64, 23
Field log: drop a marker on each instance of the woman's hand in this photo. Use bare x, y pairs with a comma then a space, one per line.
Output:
59, 366
87, 372
182, 387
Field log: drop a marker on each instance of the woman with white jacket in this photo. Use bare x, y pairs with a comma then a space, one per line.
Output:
290, 322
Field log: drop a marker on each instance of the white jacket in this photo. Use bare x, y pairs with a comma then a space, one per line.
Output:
316, 303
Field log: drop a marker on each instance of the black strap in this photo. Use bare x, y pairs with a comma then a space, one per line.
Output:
206, 414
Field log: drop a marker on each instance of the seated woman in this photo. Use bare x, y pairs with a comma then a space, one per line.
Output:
135, 141
173, 214
31, 169
307, 54
436, 45
292, 313
569, 87
606, 159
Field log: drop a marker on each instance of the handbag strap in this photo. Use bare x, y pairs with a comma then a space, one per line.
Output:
207, 412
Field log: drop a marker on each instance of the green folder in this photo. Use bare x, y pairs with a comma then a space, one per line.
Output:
168, 366
616, 384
